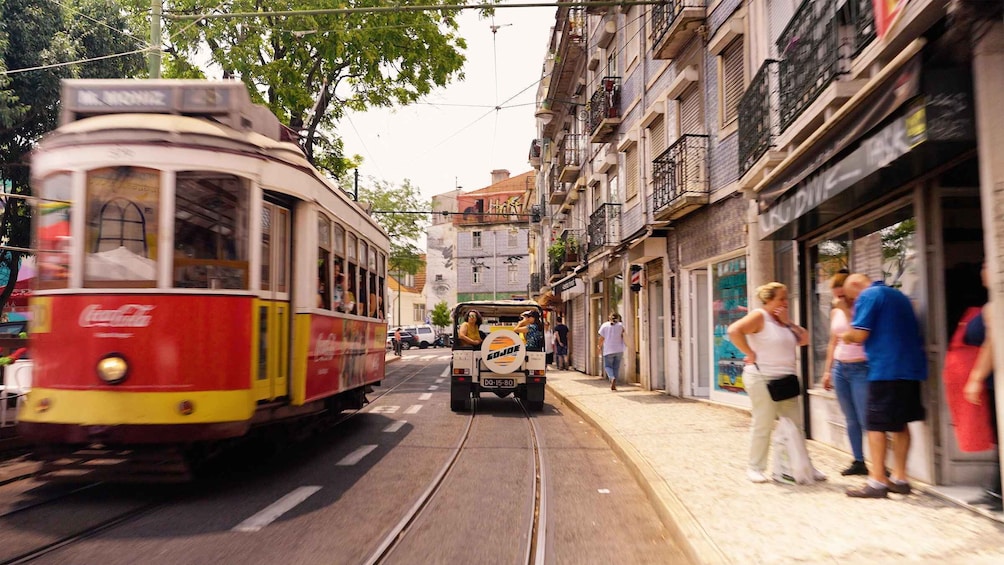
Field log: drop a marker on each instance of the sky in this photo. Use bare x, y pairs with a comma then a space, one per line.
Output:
437, 145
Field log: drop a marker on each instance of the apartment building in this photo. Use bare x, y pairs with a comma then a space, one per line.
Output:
692, 150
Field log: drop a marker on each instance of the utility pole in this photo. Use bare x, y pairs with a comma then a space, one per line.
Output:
156, 11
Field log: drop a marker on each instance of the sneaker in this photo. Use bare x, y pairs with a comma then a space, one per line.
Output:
856, 468
756, 476
868, 491
784, 479
899, 488
818, 475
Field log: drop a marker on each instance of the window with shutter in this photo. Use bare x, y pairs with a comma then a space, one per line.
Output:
731, 83
657, 136
631, 168
690, 111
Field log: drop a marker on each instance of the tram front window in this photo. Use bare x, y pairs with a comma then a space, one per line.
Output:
122, 212
53, 232
211, 231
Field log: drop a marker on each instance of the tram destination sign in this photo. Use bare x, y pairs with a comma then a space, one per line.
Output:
89, 97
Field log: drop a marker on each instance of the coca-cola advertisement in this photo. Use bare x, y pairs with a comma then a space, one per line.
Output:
343, 354
171, 342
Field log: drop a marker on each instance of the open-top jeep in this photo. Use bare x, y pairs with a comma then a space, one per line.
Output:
507, 356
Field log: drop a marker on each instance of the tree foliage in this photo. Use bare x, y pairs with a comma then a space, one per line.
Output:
310, 69
38, 35
400, 211
440, 315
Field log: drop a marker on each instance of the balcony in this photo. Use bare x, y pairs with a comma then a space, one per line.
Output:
535, 150
810, 57
680, 178
556, 191
567, 49
674, 23
570, 156
535, 283
758, 117
605, 110
605, 226
565, 254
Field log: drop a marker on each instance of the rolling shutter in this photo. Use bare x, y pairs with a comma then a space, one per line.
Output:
691, 118
732, 80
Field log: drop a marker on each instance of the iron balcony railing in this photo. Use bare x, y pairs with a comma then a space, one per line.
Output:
535, 282
810, 57
664, 15
565, 253
680, 171
604, 226
862, 14
570, 151
605, 103
758, 120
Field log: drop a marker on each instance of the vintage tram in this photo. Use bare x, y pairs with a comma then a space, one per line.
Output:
197, 279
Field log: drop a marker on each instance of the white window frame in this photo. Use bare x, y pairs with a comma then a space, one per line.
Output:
476, 239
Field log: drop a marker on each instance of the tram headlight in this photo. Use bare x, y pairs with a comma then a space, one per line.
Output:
113, 368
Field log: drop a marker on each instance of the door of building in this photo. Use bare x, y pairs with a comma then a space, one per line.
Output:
657, 336
700, 337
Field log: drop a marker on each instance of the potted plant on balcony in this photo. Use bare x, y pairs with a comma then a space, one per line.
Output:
556, 252
571, 250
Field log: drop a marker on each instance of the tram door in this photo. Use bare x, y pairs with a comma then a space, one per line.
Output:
273, 310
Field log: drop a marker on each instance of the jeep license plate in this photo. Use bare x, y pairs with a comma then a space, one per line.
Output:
498, 383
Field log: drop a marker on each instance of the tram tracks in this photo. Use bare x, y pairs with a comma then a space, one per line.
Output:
535, 536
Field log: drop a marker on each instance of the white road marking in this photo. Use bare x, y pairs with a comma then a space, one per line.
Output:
440, 381
446, 373
276, 509
356, 456
384, 409
446, 357
429, 357
603, 490
425, 396
413, 409
433, 387
395, 426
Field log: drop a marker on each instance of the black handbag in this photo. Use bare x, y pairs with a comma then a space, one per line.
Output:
783, 388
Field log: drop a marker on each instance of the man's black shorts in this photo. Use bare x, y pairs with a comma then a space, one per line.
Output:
892, 405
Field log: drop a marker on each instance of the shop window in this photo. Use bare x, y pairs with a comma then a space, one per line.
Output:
882, 247
122, 212
729, 303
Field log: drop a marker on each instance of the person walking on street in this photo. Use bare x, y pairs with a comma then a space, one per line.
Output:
561, 345
769, 340
884, 321
548, 343
980, 385
846, 370
397, 342
612, 347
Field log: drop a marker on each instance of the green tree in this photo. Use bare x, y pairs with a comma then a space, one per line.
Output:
441, 315
37, 35
401, 213
310, 69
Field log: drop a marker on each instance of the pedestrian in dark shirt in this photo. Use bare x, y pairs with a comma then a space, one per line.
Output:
561, 345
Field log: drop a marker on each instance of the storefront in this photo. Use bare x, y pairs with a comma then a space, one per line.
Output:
900, 203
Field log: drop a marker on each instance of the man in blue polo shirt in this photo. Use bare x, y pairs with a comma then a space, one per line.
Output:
885, 323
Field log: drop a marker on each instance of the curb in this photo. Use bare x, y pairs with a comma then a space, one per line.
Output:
682, 525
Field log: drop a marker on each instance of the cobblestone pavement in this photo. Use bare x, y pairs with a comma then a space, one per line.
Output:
690, 456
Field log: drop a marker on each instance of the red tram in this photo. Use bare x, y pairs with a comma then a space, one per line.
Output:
197, 277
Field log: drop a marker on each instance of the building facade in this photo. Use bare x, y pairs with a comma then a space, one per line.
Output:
441, 252
690, 151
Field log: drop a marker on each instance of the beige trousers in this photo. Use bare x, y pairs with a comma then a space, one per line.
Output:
765, 412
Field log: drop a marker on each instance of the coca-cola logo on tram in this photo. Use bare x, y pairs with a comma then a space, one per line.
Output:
125, 316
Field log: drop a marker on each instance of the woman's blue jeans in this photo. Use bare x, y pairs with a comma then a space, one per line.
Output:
612, 364
851, 383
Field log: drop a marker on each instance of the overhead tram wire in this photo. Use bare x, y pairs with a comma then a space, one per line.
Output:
400, 9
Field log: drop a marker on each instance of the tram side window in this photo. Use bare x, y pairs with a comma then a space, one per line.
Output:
338, 265
323, 263
122, 215
364, 297
52, 216
350, 295
211, 231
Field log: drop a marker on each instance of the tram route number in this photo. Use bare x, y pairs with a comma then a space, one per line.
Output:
498, 383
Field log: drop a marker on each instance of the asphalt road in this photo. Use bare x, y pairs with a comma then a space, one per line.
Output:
334, 498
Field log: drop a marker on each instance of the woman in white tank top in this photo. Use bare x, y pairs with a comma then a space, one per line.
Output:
769, 340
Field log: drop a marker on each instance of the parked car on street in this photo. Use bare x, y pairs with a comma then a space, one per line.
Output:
426, 335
